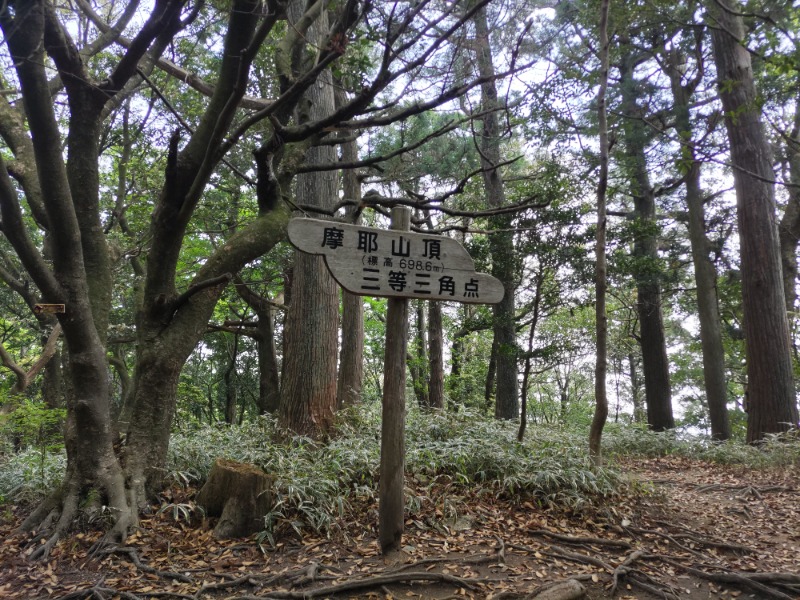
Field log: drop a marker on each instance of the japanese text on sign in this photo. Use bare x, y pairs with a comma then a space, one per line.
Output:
380, 262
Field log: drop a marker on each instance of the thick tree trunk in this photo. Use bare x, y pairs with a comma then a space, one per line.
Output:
655, 364
92, 464
163, 349
705, 275
308, 395
502, 242
773, 406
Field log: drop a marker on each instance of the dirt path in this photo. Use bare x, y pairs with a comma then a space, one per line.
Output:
698, 531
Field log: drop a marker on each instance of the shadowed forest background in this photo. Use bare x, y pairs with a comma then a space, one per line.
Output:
630, 172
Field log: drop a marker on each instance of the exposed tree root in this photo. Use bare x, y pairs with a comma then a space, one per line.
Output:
668, 537
66, 509
759, 583
580, 540
705, 541
134, 556
373, 582
744, 490
56, 514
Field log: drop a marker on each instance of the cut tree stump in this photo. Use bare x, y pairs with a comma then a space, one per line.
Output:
239, 494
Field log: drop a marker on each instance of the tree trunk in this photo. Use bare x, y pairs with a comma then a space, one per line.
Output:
773, 406
230, 383
351, 359
501, 242
716, 385
308, 395
92, 464
526, 373
436, 353
789, 229
268, 379
655, 363
419, 363
269, 388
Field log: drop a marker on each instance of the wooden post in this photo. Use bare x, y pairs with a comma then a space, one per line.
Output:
393, 446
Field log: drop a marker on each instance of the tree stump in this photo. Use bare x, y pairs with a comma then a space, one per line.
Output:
239, 494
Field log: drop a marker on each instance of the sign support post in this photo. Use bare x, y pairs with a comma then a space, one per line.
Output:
391, 504
398, 264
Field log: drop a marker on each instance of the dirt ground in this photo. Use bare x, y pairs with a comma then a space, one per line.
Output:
692, 531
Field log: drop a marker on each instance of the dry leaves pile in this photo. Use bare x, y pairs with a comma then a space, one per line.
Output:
698, 531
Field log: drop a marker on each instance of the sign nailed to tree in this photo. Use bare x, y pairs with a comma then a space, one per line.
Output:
378, 262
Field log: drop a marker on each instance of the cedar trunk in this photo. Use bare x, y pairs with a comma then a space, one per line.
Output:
308, 395
351, 360
772, 402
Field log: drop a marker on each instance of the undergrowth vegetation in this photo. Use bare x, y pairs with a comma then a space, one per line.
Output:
775, 451
449, 457
447, 453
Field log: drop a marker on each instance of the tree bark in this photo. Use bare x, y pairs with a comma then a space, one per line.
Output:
231, 395
308, 395
268, 378
70, 279
351, 360
655, 364
501, 242
705, 275
239, 494
789, 229
419, 363
269, 386
772, 402
436, 353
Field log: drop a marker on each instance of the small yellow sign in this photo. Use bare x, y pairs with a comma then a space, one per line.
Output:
48, 309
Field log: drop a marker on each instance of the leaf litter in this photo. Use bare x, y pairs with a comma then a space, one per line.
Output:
688, 529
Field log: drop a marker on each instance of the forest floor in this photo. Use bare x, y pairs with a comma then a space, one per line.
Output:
692, 531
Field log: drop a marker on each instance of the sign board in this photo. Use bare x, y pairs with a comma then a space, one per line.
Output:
378, 262
48, 309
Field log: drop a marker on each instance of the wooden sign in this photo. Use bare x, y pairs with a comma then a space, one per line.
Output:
48, 309
378, 262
